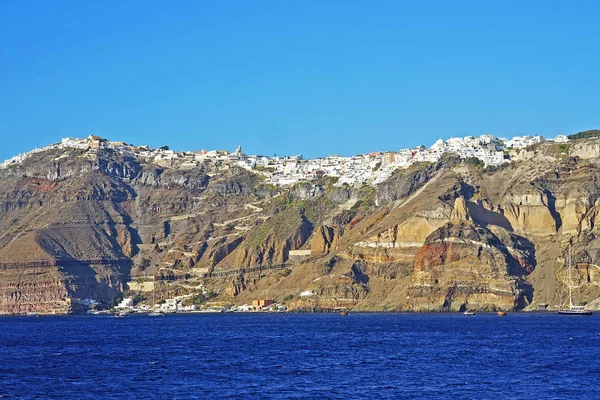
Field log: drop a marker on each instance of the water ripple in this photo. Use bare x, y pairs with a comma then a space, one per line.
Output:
300, 356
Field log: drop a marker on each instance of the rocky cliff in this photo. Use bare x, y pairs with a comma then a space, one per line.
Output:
448, 236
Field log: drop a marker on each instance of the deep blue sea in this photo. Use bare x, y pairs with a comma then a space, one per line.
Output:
316, 356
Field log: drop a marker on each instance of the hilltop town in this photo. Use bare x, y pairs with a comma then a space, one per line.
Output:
371, 168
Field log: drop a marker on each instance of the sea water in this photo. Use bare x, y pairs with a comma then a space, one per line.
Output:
293, 356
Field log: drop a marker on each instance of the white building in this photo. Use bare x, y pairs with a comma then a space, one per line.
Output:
520, 142
125, 303
561, 139
74, 143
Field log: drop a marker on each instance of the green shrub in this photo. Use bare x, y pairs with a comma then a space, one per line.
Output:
585, 134
144, 263
288, 297
284, 272
475, 162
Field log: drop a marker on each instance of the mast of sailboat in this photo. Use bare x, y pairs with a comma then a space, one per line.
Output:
570, 281
153, 283
573, 310
562, 290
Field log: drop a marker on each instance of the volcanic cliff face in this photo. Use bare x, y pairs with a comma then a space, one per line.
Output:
463, 266
448, 236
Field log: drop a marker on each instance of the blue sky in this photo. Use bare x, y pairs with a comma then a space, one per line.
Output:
295, 77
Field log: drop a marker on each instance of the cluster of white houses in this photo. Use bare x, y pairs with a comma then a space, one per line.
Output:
372, 168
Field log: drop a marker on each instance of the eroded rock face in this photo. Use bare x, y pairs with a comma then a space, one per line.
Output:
412, 232
403, 184
306, 191
340, 195
572, 216
530, 214
460, 212
235, 286
463, 266
585, 149
274, 249
33, 289
338, 291
324, 239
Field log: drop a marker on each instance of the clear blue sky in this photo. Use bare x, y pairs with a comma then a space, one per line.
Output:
295, 77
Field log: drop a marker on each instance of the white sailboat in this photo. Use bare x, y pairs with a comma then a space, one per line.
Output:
572, 310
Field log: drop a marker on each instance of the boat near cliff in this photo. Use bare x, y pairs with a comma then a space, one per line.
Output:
576, 310
573, 309
156, 314
120, 314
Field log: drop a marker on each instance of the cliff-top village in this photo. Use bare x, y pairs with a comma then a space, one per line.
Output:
371, 168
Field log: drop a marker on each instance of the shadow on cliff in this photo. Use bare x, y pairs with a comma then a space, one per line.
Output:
552, 207
358, 273
96, 281
484, 217
521, 261
136, 239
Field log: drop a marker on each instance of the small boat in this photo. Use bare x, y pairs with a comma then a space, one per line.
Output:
32, 314
502, 313
156, 314
120, 314
214, 309
468, 313
343, 313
